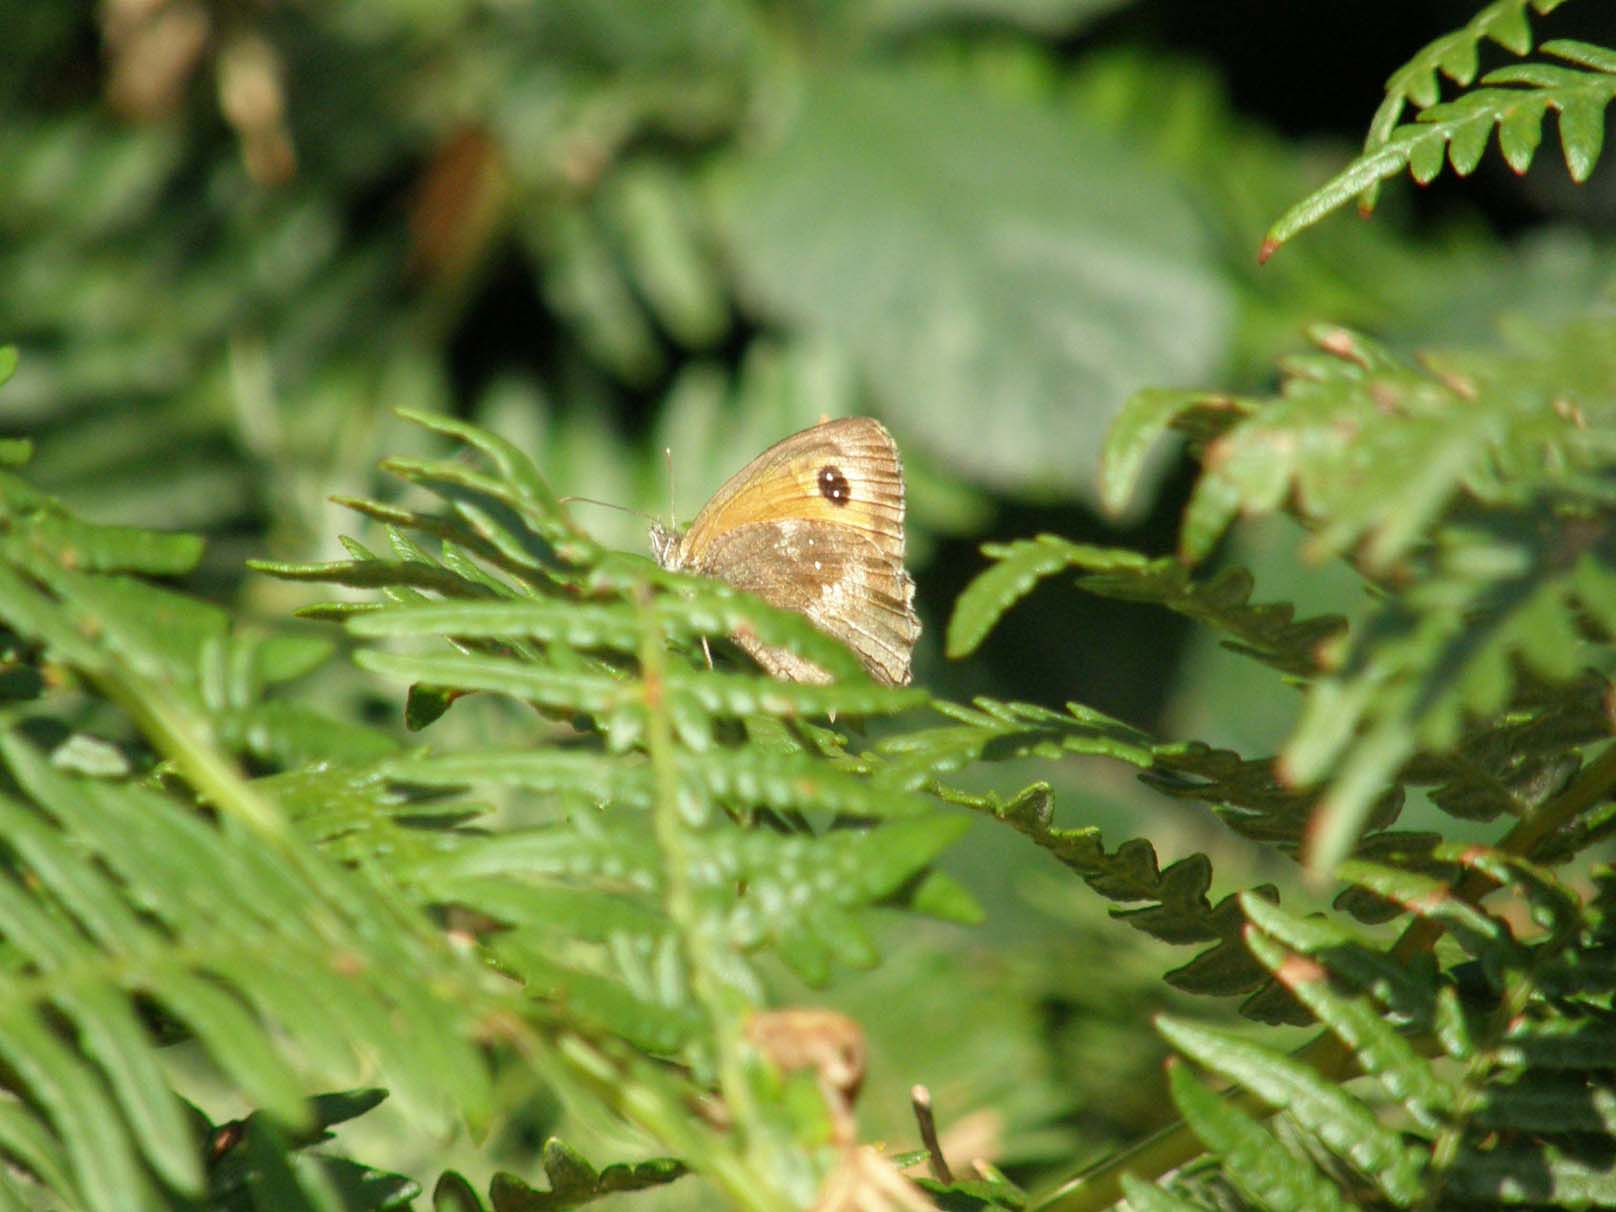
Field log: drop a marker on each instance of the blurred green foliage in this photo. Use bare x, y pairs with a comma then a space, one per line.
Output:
237, 238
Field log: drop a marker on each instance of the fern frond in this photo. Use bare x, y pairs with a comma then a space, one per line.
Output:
1336, 1118
123, 897
1496, 1071
144, 903
1474, 489
1458, 131
1270, 1175
257, 1161
1456, 56
1143, 1197
1446, 650
672, 857
574, 1182
1178, 910
1369, 448
1270, 633
989, 728
683, 808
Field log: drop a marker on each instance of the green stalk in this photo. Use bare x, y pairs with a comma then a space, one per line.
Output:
725, 1010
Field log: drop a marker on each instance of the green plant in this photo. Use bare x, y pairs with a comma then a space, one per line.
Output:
1514, 100
1473, 500
587, 911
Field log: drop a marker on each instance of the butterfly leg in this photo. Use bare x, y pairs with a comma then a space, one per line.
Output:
707, 652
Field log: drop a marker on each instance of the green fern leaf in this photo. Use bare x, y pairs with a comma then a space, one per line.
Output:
1575, 1044
581, 774
81, 545
1271, 1176
574, 1182
368, 574
577, 624
1142, 423
30, 1141
1405, 989
1248, 794
664, 1026
1004, 730
1528, 1176
1267, 632
1512, 572
801, 892
96, 1143
452, 1193
617, 852
1145, 1197
264, 1167
1376, 1047
1454, 55
1017, 568
1345, 1125
1549, 1104
1180, 912
1435, 901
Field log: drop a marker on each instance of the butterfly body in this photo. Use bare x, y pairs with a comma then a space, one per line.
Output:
813, 524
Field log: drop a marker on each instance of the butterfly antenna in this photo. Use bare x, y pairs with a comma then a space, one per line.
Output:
673, 507
639, 513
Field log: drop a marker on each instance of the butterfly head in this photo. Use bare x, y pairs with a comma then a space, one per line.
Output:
665, 545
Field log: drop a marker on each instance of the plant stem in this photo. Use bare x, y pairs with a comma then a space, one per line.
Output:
697, 938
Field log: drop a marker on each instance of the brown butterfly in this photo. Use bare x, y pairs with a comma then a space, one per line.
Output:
813, 524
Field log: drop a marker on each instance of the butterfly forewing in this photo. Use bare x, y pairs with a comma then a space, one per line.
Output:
791, 479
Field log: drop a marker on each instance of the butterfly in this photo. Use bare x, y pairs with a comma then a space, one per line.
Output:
813, 524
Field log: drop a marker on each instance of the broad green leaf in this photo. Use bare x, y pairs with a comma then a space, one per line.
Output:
650, 208
1004, 278
889, 17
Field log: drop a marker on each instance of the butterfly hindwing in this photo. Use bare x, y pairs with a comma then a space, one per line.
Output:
845, 584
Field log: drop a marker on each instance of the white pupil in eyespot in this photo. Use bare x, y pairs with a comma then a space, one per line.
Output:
833, 485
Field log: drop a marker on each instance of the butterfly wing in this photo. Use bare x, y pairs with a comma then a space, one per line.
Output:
841, 580
784, 482
815, 524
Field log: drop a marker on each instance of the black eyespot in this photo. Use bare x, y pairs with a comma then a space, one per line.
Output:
833, 485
